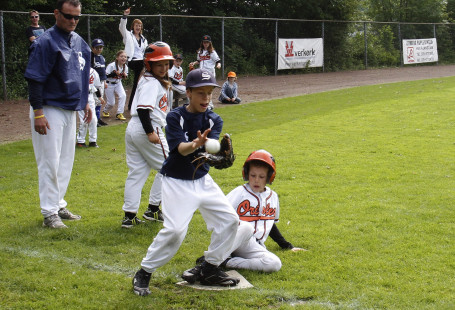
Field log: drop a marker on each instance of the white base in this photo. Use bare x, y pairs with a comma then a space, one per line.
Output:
233, 273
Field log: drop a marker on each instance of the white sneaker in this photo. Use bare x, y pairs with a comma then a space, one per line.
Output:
64, 214
54, 221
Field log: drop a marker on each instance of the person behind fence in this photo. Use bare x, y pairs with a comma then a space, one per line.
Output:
99, 64
229, 90
115, 72
34, 30
58, 77
178, 83
94, 92
207, 58
135, 45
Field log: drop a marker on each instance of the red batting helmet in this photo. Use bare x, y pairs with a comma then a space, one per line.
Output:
156, 52
262, 156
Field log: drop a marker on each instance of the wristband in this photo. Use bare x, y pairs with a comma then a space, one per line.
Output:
39, 116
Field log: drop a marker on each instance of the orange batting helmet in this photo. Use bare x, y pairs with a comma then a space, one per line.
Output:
156, 52
231, 74
262, 156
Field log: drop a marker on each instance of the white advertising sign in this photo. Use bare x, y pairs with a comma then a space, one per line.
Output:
300, 53
419, 51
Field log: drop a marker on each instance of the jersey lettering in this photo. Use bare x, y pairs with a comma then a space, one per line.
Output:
163, 103
245, 207
204, 57
267, 211
178, 75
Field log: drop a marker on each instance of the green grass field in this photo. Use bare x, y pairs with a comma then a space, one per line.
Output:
366, 183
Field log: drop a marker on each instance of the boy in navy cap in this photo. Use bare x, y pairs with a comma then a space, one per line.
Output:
99, 64
186, 189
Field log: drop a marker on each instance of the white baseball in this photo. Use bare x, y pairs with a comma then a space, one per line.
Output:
212, 146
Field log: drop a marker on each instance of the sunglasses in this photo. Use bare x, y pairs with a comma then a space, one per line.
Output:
35, 16
100, 47
69, 16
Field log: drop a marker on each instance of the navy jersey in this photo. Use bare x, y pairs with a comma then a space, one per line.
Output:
182, 126
60, 61
99, 64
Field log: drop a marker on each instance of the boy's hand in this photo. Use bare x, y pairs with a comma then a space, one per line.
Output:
127, 11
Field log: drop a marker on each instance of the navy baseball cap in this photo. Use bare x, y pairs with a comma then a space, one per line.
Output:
207, 38
97, 42
178, 56
199, 78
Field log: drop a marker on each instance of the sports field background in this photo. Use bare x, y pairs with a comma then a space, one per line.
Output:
365, 177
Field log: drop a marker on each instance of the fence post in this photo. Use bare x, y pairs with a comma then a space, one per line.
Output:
366, 44
222, 47
88, 30
5, 97
323, 47
400, 44
434, 36
161, 28
276, 46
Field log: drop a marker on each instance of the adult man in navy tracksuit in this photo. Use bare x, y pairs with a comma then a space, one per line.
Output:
58, 78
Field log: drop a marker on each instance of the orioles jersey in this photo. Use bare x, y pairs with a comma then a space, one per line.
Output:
176, 74
207, 60
261, 210
150, 94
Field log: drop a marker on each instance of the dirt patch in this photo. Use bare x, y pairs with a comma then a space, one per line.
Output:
16, 124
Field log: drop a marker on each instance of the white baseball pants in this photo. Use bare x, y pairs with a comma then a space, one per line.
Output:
54, 155
141, 157
181, 198
253, 256
92, 126
111, 90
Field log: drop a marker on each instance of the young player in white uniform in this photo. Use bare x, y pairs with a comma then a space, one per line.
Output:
258, 207
94, 89
146, 145
116, 71
186, 189
178, 83
207, 58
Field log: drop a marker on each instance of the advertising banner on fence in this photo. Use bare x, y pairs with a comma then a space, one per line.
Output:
419, 51
300, 53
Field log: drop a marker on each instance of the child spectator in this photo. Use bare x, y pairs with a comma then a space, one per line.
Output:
99, 64
207, 58
186, 189
229, 90
94, 90
146, 146
115, 72
178, 84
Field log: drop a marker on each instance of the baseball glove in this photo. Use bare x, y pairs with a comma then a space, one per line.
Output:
221, 160
190, 66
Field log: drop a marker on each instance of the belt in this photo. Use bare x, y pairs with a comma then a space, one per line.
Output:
111, 82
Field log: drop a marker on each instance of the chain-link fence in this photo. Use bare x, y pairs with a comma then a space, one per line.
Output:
245, 45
